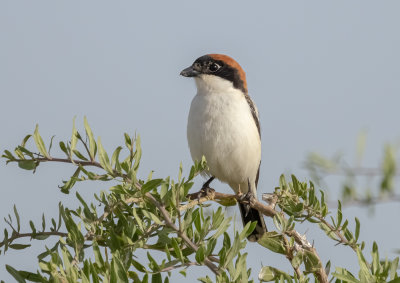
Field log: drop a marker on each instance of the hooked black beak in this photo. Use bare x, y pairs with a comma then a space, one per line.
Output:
189, 72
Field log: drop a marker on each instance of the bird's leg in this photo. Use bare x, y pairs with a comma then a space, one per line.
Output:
204, 191
247, 197
206, 185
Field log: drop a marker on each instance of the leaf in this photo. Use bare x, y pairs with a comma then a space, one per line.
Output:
118, 272
26, 138
18, 246
138, 265
27, 164
103, 158
39, 142
79, 155
364, 270
152, 184
205, 279
64, 148
17, 218
15, 274
247, 229
115, 159
200, 256
357, 232
269, 273
178, 251
222, 228
138, 153
331, 234
273, 241
393, 267
156, 278
74, 137
92, 142
344, 275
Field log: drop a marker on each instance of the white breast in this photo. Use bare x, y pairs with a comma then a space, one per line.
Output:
222, 128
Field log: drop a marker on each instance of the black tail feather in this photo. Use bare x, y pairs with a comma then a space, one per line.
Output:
250, 215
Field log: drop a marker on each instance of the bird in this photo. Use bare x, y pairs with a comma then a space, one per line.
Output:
224, 127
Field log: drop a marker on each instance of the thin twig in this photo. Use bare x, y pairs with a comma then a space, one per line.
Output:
167, 269
85, 145
182, 235
290, 256
32, 235
65, 160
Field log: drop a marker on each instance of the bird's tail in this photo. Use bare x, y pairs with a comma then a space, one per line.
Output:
249, 215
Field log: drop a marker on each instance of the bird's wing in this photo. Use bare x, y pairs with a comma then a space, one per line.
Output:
254, 113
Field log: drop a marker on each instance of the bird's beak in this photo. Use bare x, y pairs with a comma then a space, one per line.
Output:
189, 72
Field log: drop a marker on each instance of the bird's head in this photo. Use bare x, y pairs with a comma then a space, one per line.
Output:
217, 72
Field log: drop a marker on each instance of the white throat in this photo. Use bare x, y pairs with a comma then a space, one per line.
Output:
213, 84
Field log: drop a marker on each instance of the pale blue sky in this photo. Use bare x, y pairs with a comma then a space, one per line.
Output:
319, 72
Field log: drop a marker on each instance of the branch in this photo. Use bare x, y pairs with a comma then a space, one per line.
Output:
16, 235
267, 210
65, 160
184, 237
290, 256
168, 269
341, 239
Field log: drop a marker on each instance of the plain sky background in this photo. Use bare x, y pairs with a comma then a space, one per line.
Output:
319, 72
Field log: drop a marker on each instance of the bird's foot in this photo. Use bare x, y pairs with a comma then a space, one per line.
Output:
205, 191
246, 199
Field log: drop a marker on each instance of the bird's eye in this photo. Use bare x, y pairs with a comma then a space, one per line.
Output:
214, 67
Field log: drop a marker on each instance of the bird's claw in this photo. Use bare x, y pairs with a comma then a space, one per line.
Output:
246, 198
205, 191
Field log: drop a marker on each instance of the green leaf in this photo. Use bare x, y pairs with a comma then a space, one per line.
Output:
74, 138
79, 155
17, 276
138, 153
331, 234
222, 228
138, 265
178, 251
247, 229
26, 138
27, 164
115, 159
118, 272
156, 278
39, 142
152, 184
200, 256
205, 279
273, 241
64, 148
364, 270
92, 142
344, 275
103, 158
393, 267
357, 232
17, 218
269, 273
18, 246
